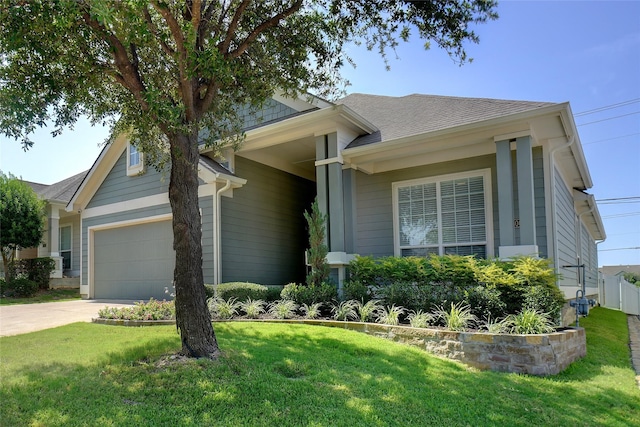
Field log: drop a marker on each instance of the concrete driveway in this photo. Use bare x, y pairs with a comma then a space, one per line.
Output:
23, 318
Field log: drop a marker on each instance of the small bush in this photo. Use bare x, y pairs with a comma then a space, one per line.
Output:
547, 299
241, 291
497, 326
209, 291
458, 318
35, 269
253, 308
302, 294
283, 309
20, 287
485, 302
357, 291
273, 293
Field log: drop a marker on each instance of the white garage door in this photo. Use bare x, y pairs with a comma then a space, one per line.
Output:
133, 262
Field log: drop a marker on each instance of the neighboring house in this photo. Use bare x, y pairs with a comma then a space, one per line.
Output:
61, 240
412, 175
619, 270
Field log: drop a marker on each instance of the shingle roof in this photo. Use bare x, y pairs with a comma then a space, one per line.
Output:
398, 117
60, 191
214, 166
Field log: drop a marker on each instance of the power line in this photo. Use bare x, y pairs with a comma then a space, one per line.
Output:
611, 139
619, 249
621, 215
617, 198
609, 118
607, 107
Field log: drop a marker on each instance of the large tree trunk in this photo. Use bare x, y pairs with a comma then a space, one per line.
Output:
192, 316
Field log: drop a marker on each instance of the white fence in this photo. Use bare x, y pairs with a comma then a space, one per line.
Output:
617, 293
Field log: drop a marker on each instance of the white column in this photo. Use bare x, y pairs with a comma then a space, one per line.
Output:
54, 240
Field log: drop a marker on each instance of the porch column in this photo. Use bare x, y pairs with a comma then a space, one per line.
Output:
526, 199
54, 240
322, 183
505, 192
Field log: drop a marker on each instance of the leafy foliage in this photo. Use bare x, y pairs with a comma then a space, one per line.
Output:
419, 319
36, 269
311, 311
21, 215
20, 287
367, 311
240, 290
302, 294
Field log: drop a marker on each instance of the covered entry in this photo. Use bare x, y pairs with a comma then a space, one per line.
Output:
133, 261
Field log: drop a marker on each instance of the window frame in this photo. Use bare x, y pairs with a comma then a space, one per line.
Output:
488, 209
138, 168
70, 250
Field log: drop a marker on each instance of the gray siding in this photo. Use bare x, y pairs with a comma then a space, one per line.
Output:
263, 228
118, 187
374, 210
588, 258
272, 110
206, 209
565, 231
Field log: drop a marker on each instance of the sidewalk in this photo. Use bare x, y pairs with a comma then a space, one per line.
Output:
634, 344
24, 318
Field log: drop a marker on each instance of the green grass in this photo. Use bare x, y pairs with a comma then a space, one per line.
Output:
44, 295
298, 375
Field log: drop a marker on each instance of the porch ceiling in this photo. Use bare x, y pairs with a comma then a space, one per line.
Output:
296, 157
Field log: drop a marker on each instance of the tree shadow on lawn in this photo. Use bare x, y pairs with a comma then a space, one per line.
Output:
296, 375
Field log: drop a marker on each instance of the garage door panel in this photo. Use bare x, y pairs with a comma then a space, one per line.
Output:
133, 262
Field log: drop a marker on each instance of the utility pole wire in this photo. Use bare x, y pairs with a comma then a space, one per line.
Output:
607, 107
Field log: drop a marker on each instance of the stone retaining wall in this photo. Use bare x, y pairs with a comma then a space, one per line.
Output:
543, 354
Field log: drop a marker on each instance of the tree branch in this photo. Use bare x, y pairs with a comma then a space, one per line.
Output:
262, 28
186, 86
233, 26
152, 27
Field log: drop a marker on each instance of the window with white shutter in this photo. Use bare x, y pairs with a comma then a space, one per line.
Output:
443, 215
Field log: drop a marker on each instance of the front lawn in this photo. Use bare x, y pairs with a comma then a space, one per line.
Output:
299, 375
44, 295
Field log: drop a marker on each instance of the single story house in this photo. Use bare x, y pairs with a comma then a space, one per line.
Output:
410, 175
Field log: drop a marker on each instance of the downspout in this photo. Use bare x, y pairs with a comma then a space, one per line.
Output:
217, 245
552, 186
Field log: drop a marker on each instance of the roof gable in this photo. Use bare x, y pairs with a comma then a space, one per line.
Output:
61, 191
398, 117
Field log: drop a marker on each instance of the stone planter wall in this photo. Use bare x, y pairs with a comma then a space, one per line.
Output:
543, 354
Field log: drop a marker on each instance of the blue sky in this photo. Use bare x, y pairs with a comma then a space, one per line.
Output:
584, 52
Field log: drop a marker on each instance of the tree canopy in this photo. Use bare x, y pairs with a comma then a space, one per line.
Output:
21, 217
174, 75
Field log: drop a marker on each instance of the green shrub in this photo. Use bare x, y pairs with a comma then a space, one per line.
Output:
209, 291
273, 293
3, 286
357, 291
20, 287
485, 302
36, 269
241, 291
302, 294
367, 311
547, 299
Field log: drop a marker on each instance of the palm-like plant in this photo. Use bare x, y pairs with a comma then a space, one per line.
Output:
530, 321
419, 319
458, 318
311, 311
253, 308
221, 309
345, 310
283, 309
368, 311
391, 315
